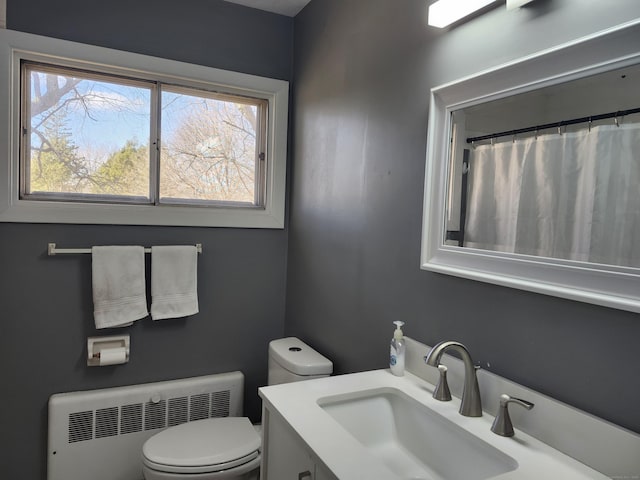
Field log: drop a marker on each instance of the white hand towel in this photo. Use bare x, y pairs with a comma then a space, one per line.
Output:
174, 281
119, 295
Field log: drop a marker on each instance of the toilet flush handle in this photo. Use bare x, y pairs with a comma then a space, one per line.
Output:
305, 474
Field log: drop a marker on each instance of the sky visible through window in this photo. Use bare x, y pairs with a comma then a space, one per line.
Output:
97, 111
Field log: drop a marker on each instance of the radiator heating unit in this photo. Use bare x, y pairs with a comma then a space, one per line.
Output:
98, 434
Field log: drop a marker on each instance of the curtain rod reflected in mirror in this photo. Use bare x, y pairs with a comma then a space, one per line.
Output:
563, 123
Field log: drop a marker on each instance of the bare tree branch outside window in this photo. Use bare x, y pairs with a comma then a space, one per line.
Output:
209, 150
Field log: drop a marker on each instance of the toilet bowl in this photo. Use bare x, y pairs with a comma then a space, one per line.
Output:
227, 448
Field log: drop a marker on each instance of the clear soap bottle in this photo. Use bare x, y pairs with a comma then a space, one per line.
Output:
396, 361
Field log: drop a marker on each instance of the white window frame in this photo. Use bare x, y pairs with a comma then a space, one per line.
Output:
18, 46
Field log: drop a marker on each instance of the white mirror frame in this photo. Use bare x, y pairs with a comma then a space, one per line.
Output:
611, 286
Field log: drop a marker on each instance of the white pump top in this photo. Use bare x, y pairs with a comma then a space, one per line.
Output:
397, 334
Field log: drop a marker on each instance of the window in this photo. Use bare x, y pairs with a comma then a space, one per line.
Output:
93, 137
112, 137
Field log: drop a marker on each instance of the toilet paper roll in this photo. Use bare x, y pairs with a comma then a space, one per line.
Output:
113, 356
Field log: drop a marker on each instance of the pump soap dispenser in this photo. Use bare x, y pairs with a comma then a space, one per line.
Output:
396, 361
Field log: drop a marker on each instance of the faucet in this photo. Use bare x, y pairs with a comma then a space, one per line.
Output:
471, 405
502, 423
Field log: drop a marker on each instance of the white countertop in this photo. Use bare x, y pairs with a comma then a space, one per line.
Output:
348, 459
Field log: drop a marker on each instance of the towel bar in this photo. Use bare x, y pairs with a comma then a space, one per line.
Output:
52, 250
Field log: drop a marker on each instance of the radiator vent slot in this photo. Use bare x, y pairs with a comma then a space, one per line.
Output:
199, 407
178, 411
148, 416
131, 418
80, 426
220, 404
155, 415
106, 422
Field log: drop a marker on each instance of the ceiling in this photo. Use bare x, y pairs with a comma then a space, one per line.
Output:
289, 8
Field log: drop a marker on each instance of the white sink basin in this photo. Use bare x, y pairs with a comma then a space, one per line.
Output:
412, 440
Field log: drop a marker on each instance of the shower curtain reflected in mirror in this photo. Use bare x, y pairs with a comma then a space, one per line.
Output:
574, 196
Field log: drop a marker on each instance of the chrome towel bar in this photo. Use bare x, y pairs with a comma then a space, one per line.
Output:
52, 250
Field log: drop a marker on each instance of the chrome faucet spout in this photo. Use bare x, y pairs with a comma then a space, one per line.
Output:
471, 405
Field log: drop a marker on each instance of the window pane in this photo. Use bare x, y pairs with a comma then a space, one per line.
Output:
210, 147
87, 134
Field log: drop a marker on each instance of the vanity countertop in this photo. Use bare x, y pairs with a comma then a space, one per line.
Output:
347, 459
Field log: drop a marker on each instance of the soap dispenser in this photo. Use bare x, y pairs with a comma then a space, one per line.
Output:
396, 361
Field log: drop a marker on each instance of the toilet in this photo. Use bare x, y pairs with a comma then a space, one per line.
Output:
227, 448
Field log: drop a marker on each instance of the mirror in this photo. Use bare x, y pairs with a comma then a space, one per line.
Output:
533, 173
553, 172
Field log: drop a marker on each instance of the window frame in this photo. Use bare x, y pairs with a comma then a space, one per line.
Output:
18, 46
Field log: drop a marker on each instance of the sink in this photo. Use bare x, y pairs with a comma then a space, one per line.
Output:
413, 441
376, 426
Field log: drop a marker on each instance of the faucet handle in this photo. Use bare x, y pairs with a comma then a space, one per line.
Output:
442, 391
502, 423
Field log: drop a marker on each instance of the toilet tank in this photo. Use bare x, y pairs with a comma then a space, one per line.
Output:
292, 360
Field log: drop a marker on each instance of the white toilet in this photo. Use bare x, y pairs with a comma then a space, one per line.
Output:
227, 448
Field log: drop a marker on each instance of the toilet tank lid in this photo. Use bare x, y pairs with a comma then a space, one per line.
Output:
298, 357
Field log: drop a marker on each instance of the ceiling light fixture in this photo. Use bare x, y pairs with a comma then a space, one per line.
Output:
445, 12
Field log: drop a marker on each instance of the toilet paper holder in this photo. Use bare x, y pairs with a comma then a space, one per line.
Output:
116, 349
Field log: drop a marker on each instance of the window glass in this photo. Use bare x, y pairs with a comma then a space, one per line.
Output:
85, 135
88, 138
211, 147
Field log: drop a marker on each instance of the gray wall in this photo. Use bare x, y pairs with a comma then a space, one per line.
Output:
362, 74
46, 308
363, 69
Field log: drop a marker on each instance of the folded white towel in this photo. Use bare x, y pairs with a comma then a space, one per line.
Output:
174, 281
119, 295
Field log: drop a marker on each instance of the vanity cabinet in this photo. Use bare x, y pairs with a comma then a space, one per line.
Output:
323, 474
284, 455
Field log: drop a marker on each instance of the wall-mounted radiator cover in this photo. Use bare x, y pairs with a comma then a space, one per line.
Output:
98, 434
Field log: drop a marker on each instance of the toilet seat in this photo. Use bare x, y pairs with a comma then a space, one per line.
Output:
203, 446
